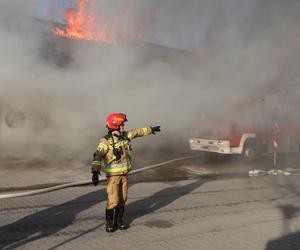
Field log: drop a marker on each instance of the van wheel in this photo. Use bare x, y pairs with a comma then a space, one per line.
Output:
14, 119
250, 152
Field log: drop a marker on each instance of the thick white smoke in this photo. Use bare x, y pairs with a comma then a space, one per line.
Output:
232, 48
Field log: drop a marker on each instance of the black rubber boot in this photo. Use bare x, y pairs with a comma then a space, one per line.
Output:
110, 215
121, 224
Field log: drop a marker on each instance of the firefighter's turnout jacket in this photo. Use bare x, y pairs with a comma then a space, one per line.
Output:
113, 151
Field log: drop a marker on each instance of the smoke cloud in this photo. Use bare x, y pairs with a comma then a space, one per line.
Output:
56, 93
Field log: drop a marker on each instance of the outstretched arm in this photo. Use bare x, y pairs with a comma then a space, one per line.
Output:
139, 132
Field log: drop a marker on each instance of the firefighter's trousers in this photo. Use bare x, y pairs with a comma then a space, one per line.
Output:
117, 190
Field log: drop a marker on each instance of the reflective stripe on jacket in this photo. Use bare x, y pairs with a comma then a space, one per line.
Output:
123, 168
114, 151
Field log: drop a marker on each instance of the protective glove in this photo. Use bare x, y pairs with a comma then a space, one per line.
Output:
95, 177
155, 129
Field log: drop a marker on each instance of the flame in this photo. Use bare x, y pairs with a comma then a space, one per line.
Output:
82, 24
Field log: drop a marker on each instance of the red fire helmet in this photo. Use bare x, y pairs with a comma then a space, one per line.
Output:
114, 121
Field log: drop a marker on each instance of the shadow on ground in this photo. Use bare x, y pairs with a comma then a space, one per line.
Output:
159, 200
289, 240
46, 222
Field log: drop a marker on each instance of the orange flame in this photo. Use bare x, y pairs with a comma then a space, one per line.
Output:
82, 24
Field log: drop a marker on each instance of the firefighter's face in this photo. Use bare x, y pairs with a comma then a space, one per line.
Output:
122, 128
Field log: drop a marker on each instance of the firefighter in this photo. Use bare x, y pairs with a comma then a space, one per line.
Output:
113, 152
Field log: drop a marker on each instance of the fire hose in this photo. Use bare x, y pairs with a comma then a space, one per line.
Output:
82, 183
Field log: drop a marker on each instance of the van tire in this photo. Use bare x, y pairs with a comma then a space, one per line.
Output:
250, 151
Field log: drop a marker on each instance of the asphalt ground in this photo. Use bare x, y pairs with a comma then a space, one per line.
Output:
192, 204
240, 213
